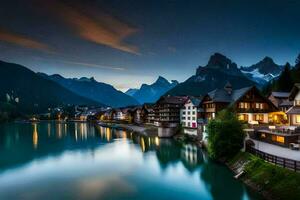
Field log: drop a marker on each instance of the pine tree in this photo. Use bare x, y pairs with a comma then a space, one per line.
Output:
297, 61
284, 82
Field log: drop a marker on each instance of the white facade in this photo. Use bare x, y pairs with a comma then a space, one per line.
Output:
188, 115
119, 115
294, 119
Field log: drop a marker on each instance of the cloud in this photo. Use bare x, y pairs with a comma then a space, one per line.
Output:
21, 40
85, 64
93, 65
96, 27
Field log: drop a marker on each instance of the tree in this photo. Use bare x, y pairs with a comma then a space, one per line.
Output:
298, 61
225, 135
284, 82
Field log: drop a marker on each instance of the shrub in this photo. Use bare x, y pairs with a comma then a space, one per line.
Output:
225, 135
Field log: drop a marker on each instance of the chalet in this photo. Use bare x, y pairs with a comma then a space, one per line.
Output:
167, 111
189, 113
250, 105
294, 112
281, 100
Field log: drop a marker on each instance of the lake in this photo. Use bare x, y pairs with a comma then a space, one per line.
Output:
83, 161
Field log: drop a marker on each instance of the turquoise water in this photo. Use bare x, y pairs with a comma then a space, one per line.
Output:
82, 161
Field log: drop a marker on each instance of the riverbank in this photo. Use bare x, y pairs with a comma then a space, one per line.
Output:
271, 181
147, 130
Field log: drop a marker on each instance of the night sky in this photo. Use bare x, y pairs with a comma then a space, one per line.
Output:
126, 43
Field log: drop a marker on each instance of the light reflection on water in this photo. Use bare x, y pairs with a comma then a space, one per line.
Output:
82, 161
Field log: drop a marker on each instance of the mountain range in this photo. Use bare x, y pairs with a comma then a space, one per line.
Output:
33, 93
151, 93
218, 71
90, 88
263, 71
39, 91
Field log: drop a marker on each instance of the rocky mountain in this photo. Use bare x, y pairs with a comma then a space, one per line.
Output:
263, 71
97, 91
32, 93
218, 71
151, 93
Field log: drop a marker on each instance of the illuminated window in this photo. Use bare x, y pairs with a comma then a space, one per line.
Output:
297, 118
259, 106
259, 117
263, 135
280, 139
244, 105
241, 117
276, 138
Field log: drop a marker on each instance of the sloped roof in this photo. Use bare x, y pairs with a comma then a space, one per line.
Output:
294, 91
173, 99
237, 94
280, 94
196, 101
221, 95
286, 103
293, 110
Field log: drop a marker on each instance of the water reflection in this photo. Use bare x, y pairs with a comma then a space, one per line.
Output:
35, 136
134, 164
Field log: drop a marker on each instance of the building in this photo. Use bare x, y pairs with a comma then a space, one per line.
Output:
117, 114
281, 100
149, 113
138, 115
189, 113
167, 110
250, 105
294, 112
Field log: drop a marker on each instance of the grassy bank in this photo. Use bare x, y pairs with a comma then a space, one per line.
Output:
272, 181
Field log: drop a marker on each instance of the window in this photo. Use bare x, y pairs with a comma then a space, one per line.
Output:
259, 117
194, 118
259, 106
244, 105
189, 107
189, 118
297, 118
263, 135
188, 112
183, 118
243, 117
277, 138
189, 124
194, 112
183, 113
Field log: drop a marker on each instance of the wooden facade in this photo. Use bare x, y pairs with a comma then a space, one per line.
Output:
167, 110
248, 103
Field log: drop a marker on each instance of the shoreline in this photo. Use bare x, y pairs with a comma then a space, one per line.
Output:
146, 130
270, 181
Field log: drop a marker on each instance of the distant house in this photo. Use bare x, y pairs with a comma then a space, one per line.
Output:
167, 110
117, 114
149, 113
294, 112
250, 105
189, 113
281, 100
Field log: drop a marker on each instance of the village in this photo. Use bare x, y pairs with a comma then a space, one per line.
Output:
274, 119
